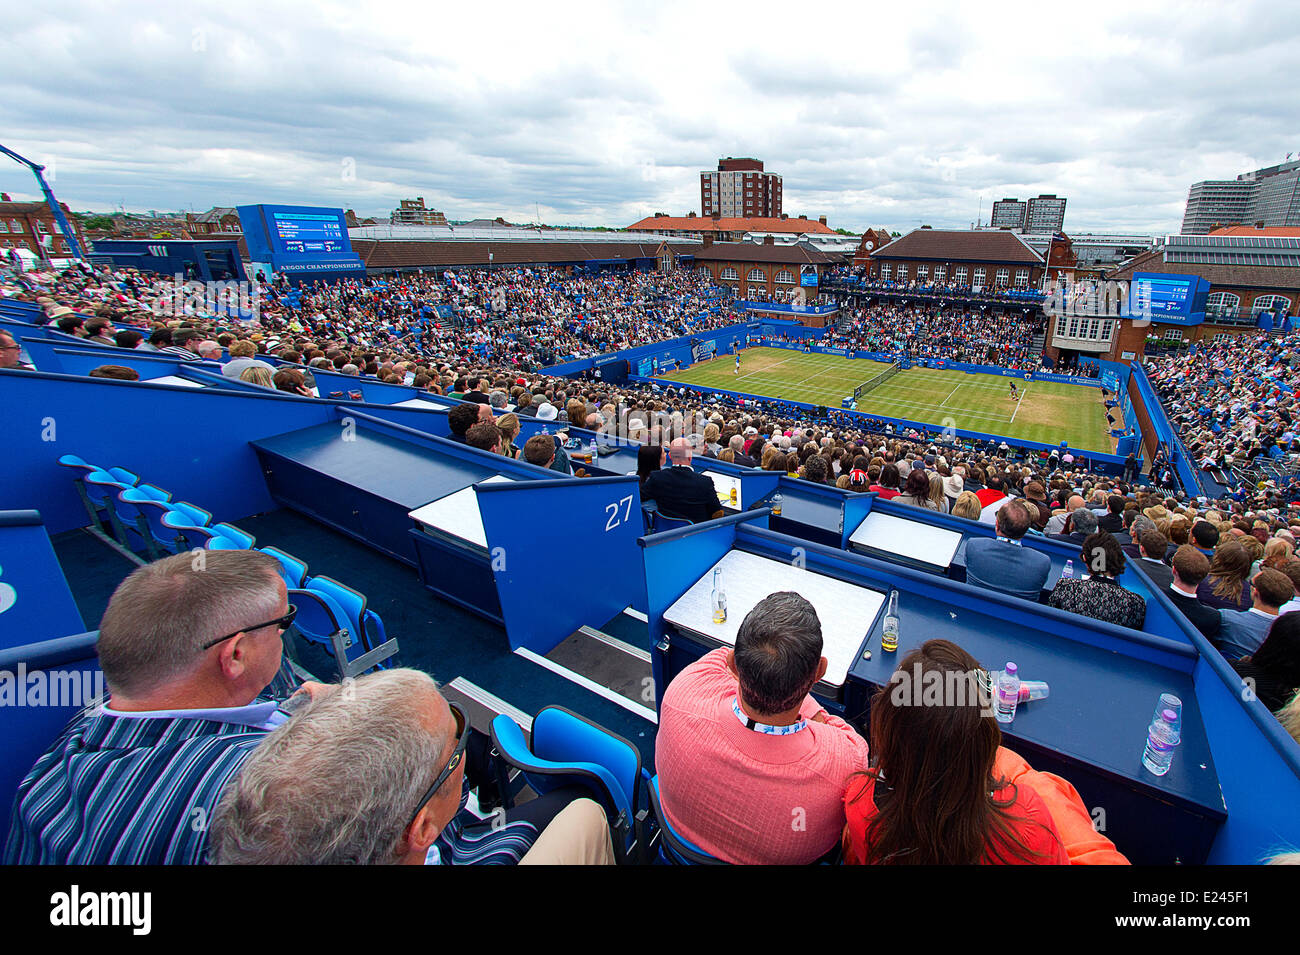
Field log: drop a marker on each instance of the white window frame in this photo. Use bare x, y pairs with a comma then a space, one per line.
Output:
1270, 303
1022, 278
886, 272
1173, 335
730, 273
902, 272
922, 273
979, 277
940, 273
756, 275
959, 276
785, 277
1002, 278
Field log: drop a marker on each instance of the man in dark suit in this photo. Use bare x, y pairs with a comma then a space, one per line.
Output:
737, 445
1004, 564
1153, 545
678, 490
1113, 522
1190, 568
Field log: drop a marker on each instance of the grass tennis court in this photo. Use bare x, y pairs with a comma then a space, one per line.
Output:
1050, 412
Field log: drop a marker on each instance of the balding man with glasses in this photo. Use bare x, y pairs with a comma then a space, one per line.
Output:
187, 647
373, 775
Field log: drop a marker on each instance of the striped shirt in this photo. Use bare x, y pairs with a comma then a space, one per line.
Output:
126, 791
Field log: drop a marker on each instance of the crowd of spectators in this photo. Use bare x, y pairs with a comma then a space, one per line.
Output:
919, 332
1233, 403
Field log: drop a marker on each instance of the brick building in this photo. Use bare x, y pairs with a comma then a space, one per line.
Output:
729, 229
764, 271
32, 226
975, 259
219, 220
739, 188
871, 241
413, 212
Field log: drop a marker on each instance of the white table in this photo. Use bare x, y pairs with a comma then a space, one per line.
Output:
911, 540
418, 403
457, 514
173, 380
724, 483
847, 611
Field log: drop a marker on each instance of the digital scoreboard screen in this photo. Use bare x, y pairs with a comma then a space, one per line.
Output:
310, 233
1163, 297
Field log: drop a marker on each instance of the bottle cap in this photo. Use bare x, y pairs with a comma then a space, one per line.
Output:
1011, 668
1169, 716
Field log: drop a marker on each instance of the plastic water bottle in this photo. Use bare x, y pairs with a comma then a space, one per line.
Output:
591, 451
777, 500
1068, 572
718, 598
889, 635
1033, 690
1008, 694
546, 429
1162, 737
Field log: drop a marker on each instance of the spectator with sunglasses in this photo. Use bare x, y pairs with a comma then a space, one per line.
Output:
187, 651
347, 781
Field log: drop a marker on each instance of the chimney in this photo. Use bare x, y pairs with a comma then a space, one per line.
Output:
803, 217
769, 240
717, 214
785, 215
690, 215
821, 219
707, 239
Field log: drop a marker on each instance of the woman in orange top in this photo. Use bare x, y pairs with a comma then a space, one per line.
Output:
934, 797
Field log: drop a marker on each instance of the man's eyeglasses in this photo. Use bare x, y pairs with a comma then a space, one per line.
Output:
462, 738
281, 622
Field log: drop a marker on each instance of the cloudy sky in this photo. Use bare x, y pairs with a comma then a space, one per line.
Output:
601, 113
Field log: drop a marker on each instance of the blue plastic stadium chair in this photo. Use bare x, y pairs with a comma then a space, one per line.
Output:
242, 539
81, 470
154, 492
567, 749
195, 515
365, 623
323, 621
148, 513
131, 509
29, 730
293, 570
674, 848
196, 536
221, 542
102, 489
665, 523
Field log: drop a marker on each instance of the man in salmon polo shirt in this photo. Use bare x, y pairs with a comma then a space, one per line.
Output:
751, 768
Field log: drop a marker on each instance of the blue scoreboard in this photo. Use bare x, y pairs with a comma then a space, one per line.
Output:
306, 242
1168, 298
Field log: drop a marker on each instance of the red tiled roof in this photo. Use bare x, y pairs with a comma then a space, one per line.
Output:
798, 254
1286, 232
709, 224
964, 245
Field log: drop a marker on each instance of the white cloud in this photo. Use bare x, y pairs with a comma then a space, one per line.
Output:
603, 113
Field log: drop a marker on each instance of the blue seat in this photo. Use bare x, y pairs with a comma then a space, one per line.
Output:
228, 537
321, 620
154, 492
195, 515
665, 523
134, 510
27, 731
93, 505
567, 749
196, 536
365, 623
134, 502
293, 570
102, 489
674, 848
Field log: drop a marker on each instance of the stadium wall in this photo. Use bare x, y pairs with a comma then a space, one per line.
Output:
1157, 429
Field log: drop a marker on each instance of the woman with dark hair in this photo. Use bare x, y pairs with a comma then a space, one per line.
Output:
775, 463
649, 459
916, 492
1275, 666
1225, 587
935, 795
890, 483
1101, 597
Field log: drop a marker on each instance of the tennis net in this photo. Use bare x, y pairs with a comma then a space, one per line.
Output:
873, 383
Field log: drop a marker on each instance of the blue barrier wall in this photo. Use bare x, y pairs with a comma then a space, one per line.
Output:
35, 602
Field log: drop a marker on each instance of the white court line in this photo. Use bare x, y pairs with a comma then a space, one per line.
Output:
950, 394
1018, 400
